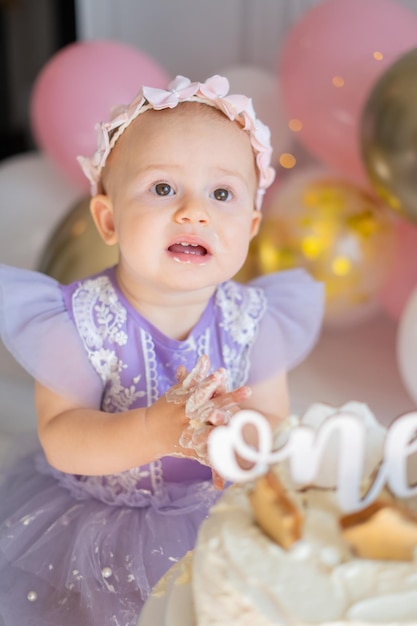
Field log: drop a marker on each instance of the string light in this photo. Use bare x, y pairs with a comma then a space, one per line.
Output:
341, 266
287, 160
295, 125
338, 81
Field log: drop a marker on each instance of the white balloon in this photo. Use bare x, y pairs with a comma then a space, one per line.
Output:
407, 345
264, 89
34, 197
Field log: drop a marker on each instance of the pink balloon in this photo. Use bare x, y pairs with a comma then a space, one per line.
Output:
407, 345
402, 279
77, 88
327, 66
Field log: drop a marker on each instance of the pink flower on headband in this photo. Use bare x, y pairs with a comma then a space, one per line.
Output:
215, 87
214, 92
179, 90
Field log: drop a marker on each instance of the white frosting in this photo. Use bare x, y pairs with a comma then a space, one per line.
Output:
240, 577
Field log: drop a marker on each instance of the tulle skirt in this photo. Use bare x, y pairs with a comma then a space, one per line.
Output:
66, 561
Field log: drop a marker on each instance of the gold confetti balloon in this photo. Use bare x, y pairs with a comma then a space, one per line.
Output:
335, 230
75, 250
388, 136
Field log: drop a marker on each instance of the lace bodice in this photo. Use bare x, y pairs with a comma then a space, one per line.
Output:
133, 371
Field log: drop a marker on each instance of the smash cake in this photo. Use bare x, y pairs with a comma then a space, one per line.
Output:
279, 551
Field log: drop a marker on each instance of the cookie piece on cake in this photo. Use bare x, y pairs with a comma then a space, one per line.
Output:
274, 511
383, 530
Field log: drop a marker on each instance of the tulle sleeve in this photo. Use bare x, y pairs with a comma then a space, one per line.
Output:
291, 324
36, 328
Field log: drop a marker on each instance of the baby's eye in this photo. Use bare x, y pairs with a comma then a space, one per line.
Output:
222, 195
163, 189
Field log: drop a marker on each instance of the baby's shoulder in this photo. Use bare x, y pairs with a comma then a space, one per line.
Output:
234, 294
97, 309
286, 289
92, 290
36, 327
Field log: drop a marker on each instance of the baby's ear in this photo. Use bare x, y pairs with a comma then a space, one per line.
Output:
102, 211
256, 222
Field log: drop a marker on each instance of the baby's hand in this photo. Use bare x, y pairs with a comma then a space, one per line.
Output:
210, 405
206, 411
207, 403
166, 418
188, 381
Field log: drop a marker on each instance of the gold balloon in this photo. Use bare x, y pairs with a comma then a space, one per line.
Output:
337, 232
75, 250
389, 136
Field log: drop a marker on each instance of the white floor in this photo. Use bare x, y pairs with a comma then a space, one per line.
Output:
357, 363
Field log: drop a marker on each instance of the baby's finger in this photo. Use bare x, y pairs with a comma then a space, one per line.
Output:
238, 395
220, 409
218, 481
218, 417
214, 385
181, 374
187, 381
199, 443
198, 373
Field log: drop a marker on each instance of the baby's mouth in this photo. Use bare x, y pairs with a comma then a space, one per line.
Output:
183, 248
190, 252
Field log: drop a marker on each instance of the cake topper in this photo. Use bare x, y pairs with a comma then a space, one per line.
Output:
306, 448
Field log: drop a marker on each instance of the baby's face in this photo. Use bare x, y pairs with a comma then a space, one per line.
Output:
180, 187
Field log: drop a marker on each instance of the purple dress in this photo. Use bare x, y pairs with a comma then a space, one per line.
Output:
87, 549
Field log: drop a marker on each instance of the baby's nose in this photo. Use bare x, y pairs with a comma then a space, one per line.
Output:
193, 211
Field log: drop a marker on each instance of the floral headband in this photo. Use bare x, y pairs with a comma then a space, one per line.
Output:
213, 93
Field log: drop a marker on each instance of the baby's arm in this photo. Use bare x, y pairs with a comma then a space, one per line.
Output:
271, 398
82, 440
85, 440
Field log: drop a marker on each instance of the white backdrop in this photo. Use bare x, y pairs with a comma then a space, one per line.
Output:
197, 37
